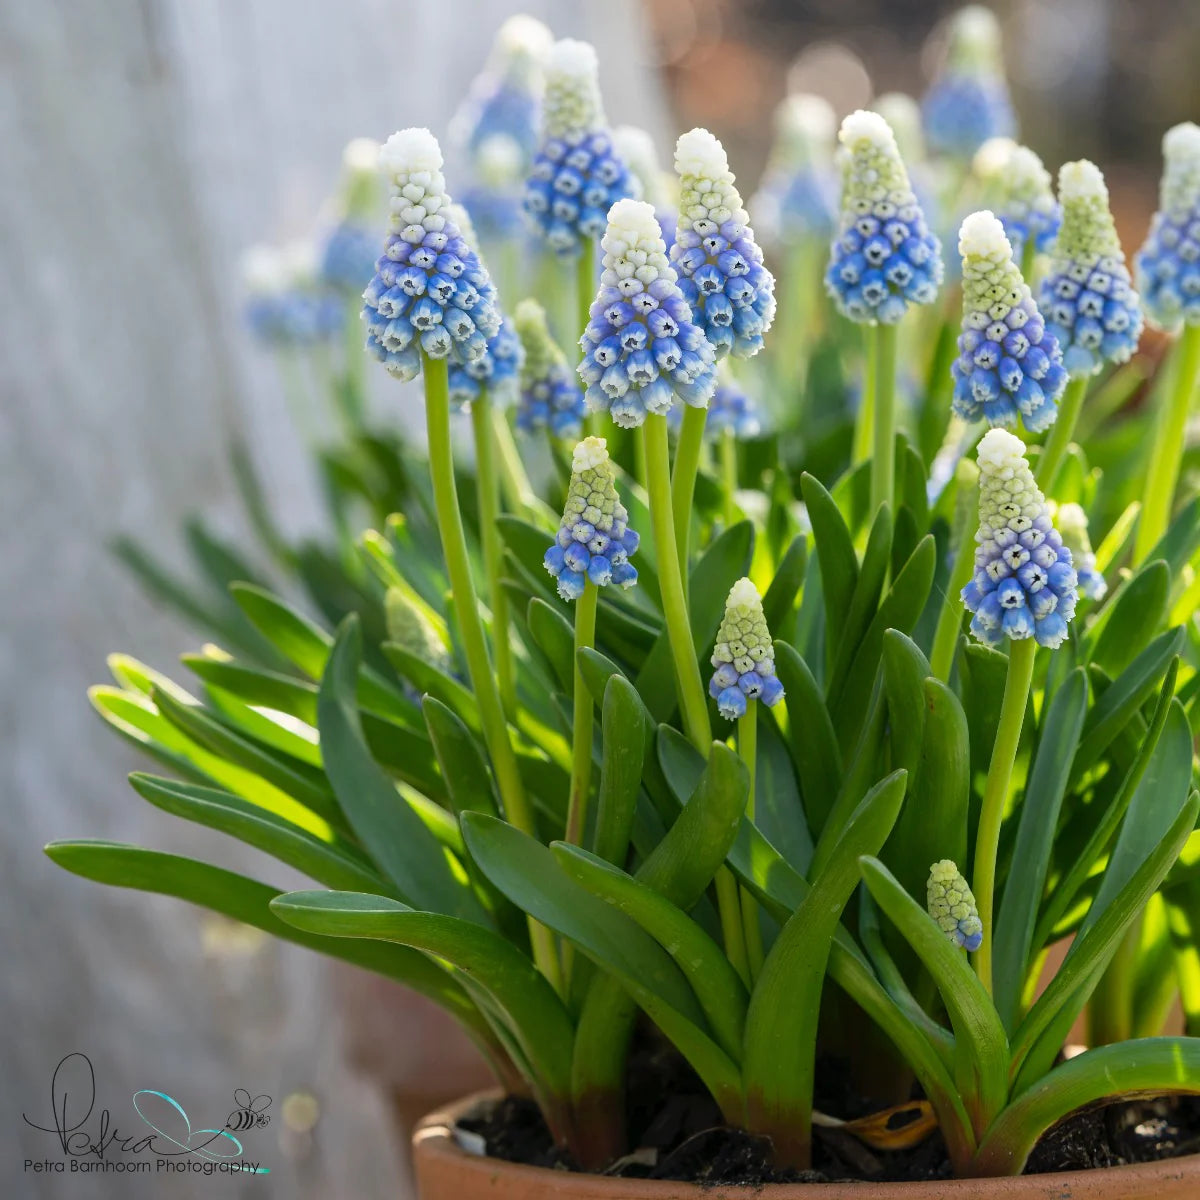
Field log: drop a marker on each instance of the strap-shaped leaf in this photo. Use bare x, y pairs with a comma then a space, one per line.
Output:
531, 1008
1014, 927
1131, 618
555, 638
627, 733
330, 861
836, 556
460, 757
429, 681
781, 1025
779, 601
388, 827
779, 809
981, 1047
856, 620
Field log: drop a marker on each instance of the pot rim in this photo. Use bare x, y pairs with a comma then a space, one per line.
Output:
434, 1148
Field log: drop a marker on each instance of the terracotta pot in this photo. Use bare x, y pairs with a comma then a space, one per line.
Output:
446, 1172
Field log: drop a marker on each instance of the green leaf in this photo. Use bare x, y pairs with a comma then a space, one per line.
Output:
836, 556
532, 1010
330, 861
982, 672
461, 760
1018, 910
905, 669
981, 1047
387, 825
627, 731
555, 637
1131, 618
779, 810
779, 602
429, 681
854, 622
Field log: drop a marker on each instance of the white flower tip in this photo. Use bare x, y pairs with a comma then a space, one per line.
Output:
993, 156
808, 115
411, 150
523, 34
898, 109
592, 452
743, 594
262, 269
975, 25
361, 155
528, 310
1182, 142
572, 58
699, 153
634, 144
1081, 180
863, 126
999, 450
1070, 516
982, 235
634, 220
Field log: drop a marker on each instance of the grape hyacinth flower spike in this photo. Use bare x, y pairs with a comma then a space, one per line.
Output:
1071, 521
594, 540
430, 294
576, 175
968, 102
884, 257
410, 628
550, 395
641, 348
1025, 585
1017, 188
352, 245
286, 306
798, 195
952, 905
732, 409
1168, 265
1008, 364
1087, 298
721, 272
744, 655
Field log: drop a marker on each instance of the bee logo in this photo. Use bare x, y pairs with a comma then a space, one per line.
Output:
251, 1112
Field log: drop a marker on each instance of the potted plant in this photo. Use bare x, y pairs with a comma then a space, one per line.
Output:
732, 813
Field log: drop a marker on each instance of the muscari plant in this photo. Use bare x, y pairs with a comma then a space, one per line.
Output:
940, 734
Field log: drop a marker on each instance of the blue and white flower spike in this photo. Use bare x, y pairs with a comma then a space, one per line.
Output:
968, 102
641, 348
286, 304
654, 185
732, 408
352, 245
1071, 521
1024, 583
1167, 267
550, 395
1008, 363
951, 904
721, 272
594, 540
744, 655
430, 292
884, 257
798, 195
1087, 297
1017, 188
576, 175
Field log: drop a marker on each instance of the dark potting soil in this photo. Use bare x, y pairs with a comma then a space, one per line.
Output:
677, 1132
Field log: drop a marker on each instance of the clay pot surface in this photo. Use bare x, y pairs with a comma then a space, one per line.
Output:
447, 1172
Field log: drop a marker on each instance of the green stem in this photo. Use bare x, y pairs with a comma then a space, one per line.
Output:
683, 482
865, 421
729, 475
517, 808
1167, 455
945, 637
1029, 263
518, 491
1061, 432
582, 708
488, 490
883, 458
692, 702
748, 752
1021, 656
355, 382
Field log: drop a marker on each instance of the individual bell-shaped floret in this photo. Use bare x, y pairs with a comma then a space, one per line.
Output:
576, 175
798, 195
1168, 266
744, 655
1024, 583
968, 101
721, 272
594, 540
1071, 521
884, 257
1017, 188
287, 304
732, 409
550, 395
1008, 363
352, 244
1088, 301
641, 348
430, 293
411, 630
952, 905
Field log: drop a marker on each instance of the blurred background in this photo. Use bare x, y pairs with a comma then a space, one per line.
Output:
146, 146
